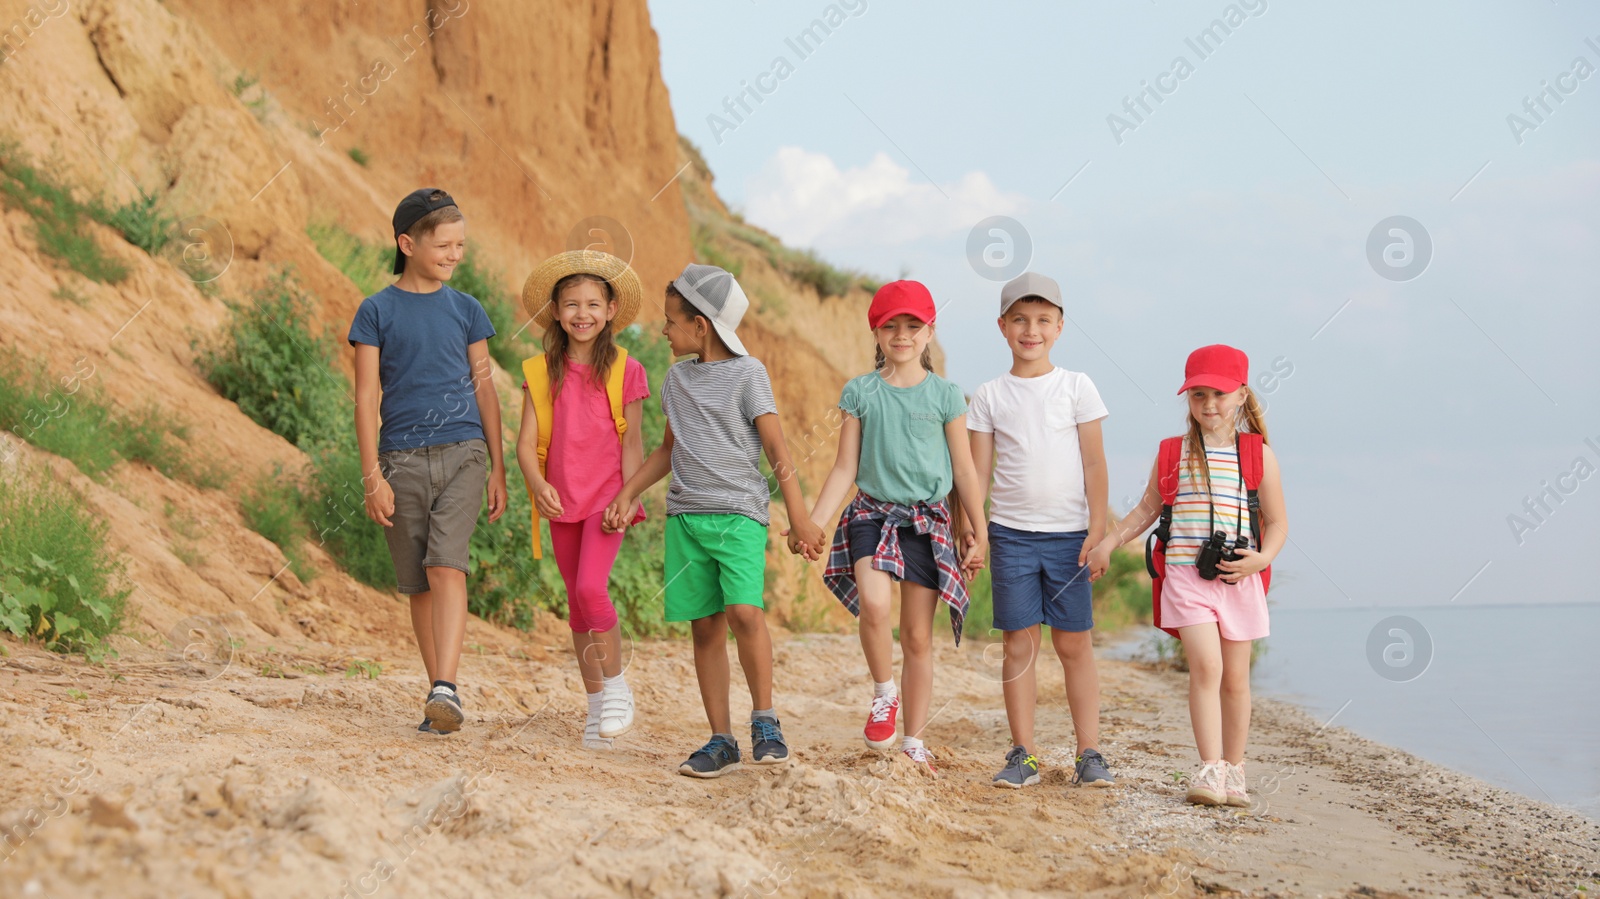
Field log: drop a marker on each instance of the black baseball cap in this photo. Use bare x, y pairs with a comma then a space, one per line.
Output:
416, 204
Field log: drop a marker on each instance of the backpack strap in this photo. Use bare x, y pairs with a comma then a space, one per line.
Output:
538, 380
1250, 472
1167, 461
619, 370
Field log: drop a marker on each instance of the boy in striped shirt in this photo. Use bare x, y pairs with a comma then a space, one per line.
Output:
720, 416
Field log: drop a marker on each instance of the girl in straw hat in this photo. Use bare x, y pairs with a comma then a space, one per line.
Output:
579, 441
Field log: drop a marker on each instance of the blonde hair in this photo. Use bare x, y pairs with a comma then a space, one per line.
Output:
1250, 418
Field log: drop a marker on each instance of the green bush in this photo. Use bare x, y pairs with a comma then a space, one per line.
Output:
360, 157
60, 584
336, 506
276, 370
284, 377
75, 421
367, 265
61, 223
274, 508
142, 223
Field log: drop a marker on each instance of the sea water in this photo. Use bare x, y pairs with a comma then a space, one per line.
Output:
1509, 693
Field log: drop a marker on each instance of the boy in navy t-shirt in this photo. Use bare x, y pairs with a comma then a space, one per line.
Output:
425, 468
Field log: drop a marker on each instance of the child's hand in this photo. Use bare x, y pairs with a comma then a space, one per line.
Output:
497, 495
811, 537
547, 499
1098, 559
617, 515
1249, 563
380, 499
972, 562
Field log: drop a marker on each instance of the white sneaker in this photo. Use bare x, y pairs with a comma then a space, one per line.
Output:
1238, 794
616, 713
1208, 786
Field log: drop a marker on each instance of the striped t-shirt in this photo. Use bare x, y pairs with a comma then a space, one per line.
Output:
716, 451
1192, 521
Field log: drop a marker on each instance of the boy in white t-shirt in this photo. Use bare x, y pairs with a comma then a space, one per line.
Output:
1037, 428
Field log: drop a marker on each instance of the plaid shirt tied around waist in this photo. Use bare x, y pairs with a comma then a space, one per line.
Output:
932, 519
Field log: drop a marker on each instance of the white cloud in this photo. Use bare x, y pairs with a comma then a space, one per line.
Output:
805, 199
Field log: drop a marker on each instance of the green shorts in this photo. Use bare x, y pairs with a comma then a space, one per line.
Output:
713, 561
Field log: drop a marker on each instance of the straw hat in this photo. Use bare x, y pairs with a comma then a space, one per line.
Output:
624, 285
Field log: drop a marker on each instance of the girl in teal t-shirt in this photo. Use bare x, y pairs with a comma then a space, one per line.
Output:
903, 442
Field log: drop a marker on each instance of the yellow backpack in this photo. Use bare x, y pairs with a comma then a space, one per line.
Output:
538, 378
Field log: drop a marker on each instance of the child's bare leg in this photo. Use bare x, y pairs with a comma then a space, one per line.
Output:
589, 651
1076, 651
447, 588
711, 667
877, 632
422, 626
917, 604
1235, 699
1202, 647
1019, 683
749, 625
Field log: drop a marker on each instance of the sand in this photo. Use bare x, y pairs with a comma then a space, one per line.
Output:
161, 775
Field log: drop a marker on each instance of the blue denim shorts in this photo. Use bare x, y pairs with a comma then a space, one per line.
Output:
1037, 580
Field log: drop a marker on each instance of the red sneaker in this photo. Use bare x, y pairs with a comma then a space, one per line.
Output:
880, 721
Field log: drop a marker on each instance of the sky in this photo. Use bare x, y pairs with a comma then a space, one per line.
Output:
1394, 209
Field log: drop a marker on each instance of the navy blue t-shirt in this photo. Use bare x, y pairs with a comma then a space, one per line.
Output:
422, 343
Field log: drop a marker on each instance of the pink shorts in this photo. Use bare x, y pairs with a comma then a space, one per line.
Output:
1240, 610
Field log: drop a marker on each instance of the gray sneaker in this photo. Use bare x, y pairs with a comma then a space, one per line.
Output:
1021, 770
1092, 771
714, 759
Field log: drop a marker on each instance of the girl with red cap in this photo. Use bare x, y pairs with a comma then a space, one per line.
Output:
903, 443
1216, 499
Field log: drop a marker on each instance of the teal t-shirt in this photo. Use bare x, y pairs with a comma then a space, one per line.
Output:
904, 455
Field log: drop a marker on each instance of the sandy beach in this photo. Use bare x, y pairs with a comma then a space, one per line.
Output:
159, 775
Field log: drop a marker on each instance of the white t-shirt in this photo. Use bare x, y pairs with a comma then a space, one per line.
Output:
1038, 468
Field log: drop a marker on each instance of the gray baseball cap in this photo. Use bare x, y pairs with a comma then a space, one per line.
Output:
1030, 284
717, 296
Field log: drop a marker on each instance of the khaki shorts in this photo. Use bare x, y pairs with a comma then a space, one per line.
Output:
438, 491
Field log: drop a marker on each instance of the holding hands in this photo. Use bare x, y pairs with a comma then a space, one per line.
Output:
805, 539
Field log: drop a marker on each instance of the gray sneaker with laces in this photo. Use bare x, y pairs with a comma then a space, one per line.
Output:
1091, 770
1021, 770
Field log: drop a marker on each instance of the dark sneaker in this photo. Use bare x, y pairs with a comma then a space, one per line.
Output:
766, 742
426, 726
714, 759
444, 710
1021, 770
1092, 771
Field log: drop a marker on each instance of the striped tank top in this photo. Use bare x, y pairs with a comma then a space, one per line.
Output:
1192, 520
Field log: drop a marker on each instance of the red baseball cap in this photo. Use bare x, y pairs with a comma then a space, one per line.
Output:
1218, 366
897, 297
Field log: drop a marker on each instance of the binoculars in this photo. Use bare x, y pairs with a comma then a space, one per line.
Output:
1217, 550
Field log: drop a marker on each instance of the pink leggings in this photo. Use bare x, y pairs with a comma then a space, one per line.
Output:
584, 554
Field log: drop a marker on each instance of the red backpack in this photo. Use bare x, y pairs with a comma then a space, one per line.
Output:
1155, 546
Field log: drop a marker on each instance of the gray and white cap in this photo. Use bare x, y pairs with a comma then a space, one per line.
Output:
717, 296
1030, 284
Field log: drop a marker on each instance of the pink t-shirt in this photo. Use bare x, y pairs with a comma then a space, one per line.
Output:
585, 459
